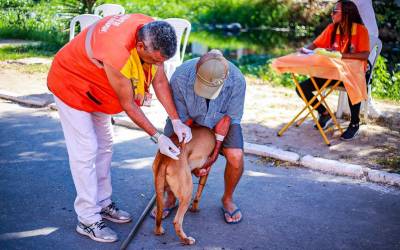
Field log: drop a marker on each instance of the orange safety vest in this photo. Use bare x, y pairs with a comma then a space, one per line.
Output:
76, 75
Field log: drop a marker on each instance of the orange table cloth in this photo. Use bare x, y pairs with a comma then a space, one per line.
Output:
349, 71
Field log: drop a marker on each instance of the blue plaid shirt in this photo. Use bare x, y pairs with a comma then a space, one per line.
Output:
230, 100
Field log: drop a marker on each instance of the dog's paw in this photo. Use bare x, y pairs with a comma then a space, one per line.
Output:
194, 207
189, 241
159, 231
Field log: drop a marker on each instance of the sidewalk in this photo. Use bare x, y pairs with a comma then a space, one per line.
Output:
283, 207
267, 109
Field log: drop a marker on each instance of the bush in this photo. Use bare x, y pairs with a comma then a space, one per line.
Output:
27, 20
384, 84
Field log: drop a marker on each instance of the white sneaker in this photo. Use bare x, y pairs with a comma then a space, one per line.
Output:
97, 231
114, 214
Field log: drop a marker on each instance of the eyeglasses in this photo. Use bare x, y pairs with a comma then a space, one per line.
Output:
335, 11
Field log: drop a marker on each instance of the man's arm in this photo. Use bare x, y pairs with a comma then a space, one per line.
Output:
179, 100
358, 56
163, 92
123, 89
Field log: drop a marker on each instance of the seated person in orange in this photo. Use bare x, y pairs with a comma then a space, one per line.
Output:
347, 35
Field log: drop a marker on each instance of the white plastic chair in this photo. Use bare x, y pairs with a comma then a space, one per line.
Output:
84, 21
343, 103
182, 27
109, 9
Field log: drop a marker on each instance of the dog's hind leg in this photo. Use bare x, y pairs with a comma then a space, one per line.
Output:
184, 194
184, 203
195, 203
159, 177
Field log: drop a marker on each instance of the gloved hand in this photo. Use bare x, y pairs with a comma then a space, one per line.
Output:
167, 147
181, 130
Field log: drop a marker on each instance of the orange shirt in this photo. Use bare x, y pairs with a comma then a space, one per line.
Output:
359, 39
78, 82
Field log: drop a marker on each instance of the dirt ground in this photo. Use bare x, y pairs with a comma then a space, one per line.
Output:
267, 109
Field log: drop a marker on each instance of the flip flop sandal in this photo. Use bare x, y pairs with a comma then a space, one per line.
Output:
168, 210
231, 215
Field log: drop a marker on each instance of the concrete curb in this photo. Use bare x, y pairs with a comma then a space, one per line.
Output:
269, 151
308, 161
31, 101
382, 177
332, 166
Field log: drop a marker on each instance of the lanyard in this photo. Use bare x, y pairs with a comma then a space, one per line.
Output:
148, 79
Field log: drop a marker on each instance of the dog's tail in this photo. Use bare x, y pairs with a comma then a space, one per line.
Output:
159, 170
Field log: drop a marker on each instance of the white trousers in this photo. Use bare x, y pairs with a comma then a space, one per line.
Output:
89, 139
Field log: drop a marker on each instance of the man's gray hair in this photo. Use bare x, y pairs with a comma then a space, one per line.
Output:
161, 36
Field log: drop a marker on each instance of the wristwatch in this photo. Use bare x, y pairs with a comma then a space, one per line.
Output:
155, 137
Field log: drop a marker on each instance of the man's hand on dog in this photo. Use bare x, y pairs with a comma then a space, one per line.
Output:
199, 172
205, 169
221, 130
167, 147
181, 130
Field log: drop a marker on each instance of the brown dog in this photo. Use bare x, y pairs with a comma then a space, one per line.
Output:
177, 175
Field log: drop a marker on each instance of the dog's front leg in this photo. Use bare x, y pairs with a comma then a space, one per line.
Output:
195, 203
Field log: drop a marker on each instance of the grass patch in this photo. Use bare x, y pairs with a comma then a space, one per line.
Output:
25, 51
272, 162
26, 68
34, 68
392, 164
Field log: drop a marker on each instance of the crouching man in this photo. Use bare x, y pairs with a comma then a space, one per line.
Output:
205, 90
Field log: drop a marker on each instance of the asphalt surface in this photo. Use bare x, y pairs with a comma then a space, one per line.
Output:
283, 208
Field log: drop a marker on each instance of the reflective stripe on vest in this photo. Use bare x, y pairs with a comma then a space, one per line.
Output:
88, 46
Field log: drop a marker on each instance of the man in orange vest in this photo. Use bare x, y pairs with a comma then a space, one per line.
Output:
104, 70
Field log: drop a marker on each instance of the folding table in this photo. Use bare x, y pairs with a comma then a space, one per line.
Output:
347, 71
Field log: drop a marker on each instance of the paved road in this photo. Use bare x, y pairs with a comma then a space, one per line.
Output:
284, 208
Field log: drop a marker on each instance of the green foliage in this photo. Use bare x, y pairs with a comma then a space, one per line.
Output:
17, 52
261, 68
189, 9
249, 13
387, 16
253, 13
75, 7
392, 163
384, 84
28, 20
48, 21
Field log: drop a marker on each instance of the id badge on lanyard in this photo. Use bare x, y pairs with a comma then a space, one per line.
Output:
147, 99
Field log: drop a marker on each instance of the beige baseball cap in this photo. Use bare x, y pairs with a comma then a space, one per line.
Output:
211, 72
